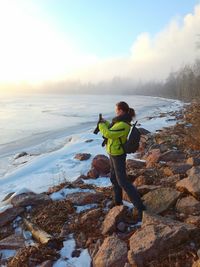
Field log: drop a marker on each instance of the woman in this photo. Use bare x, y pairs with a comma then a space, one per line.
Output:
116, 134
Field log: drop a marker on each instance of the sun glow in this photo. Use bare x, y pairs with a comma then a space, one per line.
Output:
32, 50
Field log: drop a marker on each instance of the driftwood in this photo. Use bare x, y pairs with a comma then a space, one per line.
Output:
41, 236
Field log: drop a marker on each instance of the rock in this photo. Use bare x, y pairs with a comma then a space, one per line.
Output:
181, 168
190, 184
112, 253
6, 230
12, 242
102, 164
196, 263
144, 189
89, 140
157, 236
160, 199
193, 161
172, 155
82, 156
188, 205
83, 198
194, 171
112, 218
170, 181
93, 173
195, 220
153, 157
90, 216
135, 164
29, 199
22, 154
10, 214
143, 180
121, 227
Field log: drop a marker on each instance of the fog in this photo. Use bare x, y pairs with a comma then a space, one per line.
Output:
150, 58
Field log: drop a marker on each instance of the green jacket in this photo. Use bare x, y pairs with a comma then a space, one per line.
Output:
118, 130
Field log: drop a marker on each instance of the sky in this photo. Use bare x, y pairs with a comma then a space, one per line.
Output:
95, 40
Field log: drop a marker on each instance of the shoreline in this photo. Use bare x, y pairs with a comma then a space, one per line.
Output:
92, 222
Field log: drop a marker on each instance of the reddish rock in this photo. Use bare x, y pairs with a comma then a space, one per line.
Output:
172, 155
143, 180
190, 184
29, 199
195, 220
93, 173
91, 215
193, 161
194, 171
188, 205
112, 219
84, 198
82, 156
101, 164
196, 263
157, 237
153, 157
10, 214
112, 253
135, 164
161, 199
144, 189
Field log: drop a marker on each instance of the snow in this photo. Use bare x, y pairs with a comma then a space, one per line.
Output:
80, 209
66, 191
66, 260
99, 182
7, 253
51, 133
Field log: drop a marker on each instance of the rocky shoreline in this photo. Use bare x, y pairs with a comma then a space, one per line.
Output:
39, 229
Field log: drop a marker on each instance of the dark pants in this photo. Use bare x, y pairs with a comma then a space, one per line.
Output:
119, 181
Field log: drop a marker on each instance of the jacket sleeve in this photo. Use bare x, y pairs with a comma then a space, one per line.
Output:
111, 133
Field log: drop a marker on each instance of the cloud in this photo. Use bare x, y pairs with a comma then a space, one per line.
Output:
153, 57
32, 50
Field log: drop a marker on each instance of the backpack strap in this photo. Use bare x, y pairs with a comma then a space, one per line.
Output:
122, 145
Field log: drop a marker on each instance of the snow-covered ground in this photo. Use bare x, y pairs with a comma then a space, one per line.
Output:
51, 153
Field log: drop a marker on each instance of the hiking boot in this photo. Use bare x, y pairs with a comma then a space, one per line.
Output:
140, 214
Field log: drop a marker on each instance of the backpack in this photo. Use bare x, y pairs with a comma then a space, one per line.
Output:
133, 140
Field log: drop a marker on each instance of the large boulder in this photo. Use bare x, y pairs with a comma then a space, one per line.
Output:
180, 168
29, 199
112, 253
170, 181
157, 237
161, 199
112, 218
191, 184
172, 155
9, 214
188, 205
135, 164
102, 164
